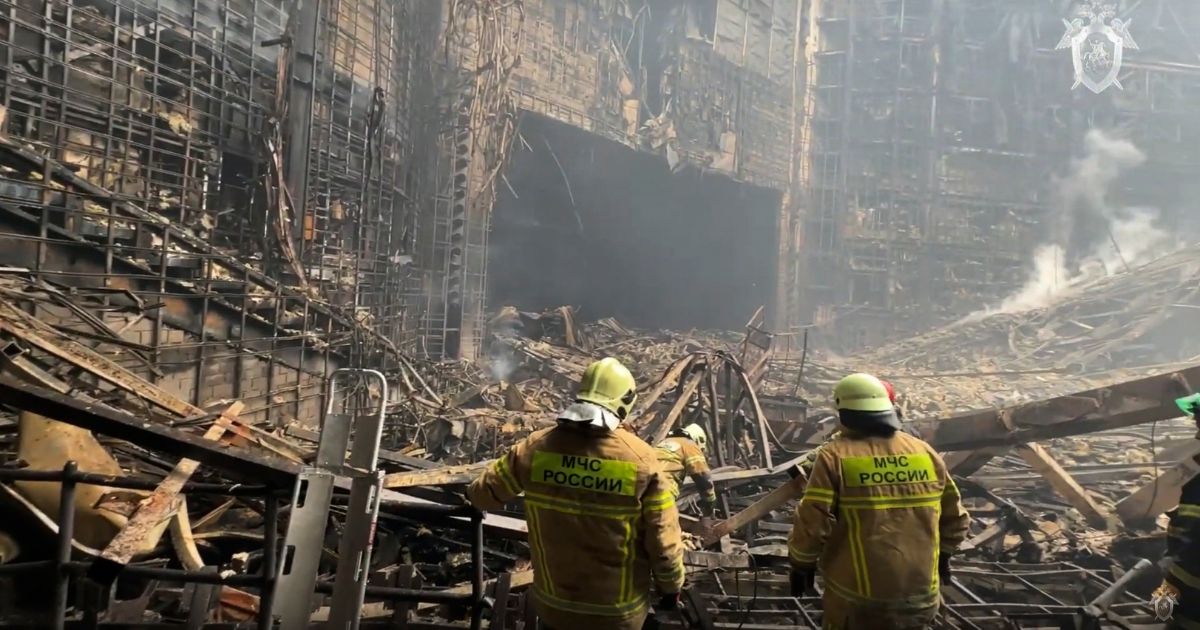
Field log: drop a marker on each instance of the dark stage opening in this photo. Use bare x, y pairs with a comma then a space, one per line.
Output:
587, 222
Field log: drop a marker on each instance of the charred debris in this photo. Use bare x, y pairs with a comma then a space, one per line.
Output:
254, 256
175, 511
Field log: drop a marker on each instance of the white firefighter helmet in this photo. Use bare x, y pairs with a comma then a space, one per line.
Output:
696, 433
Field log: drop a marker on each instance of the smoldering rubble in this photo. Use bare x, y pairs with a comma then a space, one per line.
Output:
1065, 452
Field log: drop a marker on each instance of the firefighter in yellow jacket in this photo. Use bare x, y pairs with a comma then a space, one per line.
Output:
880, 515
682, 454
601, 514
1178, 598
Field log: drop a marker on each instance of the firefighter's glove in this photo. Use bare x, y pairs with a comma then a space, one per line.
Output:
668, 603
945, 573
1163, 600
803, 580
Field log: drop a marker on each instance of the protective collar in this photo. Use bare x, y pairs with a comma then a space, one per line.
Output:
870, 422
590, 414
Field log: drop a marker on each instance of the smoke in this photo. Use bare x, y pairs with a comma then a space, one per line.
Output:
501, 367
504, 328
1091, 237
1049, 277
1083, 193
1135, 237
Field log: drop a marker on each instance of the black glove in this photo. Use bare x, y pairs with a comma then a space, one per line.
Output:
945, 573
803, 581
668, 602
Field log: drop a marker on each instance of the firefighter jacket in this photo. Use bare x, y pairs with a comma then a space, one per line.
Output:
809, 458
876, 513
1183, 555
601, 519
681, 457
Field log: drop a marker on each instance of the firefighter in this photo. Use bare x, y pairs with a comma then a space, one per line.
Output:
682, 454
880, 515
600, 511
1178, 599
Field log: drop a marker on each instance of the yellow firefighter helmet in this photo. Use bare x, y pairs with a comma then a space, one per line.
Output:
861, 392
609, 384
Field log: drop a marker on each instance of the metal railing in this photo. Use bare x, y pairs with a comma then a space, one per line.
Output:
64, 569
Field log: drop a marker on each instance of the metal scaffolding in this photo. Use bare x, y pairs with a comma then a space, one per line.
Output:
143, 154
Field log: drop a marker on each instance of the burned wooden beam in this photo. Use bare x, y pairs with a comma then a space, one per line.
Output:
667, 381
159, 506
21, 326
1066, 486
792, 489
1113, 407
685, 395
448, 475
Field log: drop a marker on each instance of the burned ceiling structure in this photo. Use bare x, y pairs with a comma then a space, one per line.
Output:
278, 278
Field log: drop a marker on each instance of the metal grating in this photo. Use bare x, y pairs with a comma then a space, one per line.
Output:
141, 157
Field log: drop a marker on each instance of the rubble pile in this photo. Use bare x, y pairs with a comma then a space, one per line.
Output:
146, 505
534, 362
1062, 499
1039, 491
1093, 333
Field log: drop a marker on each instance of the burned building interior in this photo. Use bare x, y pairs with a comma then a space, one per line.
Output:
279, 279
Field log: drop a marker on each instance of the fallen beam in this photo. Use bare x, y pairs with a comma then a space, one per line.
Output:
667, 381
448, 475
792, 489
685, 396
1121, 405
240, 463
506, 526
157, 508
715, 560
1065, 485
518, 580
21, 326
988, 536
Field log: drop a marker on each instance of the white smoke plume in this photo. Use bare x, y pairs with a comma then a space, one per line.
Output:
1048, 279
1083, 193
501, 367
1131, 235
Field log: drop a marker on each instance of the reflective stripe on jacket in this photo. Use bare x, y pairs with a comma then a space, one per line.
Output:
875, 514
1183, 555
681, 458
601, 519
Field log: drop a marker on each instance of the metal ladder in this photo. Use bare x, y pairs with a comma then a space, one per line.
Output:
300, 561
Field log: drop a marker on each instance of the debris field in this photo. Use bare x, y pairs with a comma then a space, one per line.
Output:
279, 279
178, 506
